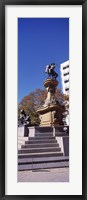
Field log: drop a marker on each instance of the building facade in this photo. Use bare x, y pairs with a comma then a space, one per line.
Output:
64, 70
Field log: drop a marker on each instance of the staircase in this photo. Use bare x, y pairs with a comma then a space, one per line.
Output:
41, 151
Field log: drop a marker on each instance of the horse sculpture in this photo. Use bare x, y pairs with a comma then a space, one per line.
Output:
50, 71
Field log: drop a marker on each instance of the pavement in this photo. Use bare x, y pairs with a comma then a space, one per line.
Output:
44, 175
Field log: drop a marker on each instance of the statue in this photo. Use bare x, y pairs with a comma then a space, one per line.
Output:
24, 119
50, 71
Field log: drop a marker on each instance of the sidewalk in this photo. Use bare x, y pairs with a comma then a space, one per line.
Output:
44, 175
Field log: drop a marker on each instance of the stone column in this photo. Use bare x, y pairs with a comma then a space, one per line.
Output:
50, 112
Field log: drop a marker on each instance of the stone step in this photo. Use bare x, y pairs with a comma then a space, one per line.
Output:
45, 165
21, 142
41, 141
43, 134
42, 159
39, 155
41, 137
38, 150
20, 138
61, 134
61, 129
40, 145
43, 129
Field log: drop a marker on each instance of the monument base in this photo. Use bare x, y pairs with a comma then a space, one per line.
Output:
47, 119
23, 131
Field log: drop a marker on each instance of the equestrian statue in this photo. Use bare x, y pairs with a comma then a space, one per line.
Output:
50, 71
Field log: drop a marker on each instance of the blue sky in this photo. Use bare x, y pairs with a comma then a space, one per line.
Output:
41, 41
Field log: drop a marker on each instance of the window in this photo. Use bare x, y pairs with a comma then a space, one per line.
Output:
66, 67
66, 89
66, 81
66, 73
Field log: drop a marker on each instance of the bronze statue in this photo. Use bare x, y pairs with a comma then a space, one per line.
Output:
50, 71
24, 119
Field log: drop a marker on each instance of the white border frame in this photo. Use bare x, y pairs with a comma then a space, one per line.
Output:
74, 187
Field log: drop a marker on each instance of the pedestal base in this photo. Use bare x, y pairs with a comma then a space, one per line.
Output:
51, 112
47, 120
23, 131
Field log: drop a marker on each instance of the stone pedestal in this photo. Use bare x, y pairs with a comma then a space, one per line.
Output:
51, 112
23, 131
63, 142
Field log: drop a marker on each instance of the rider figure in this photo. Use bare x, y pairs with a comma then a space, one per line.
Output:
50, 71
